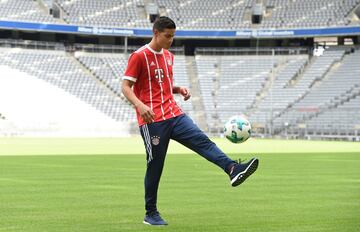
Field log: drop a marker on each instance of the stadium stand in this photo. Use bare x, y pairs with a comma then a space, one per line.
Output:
305, 96
308, 13
93, 77
293, 93
230, 14
223, 78
61, 71
35, 107
336, 94
299, 91
283, 97
342, 121
109, 13
207, 14
106, 67
28, 11
292, 68
192, 14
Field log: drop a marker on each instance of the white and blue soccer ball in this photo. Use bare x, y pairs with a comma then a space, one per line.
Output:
237, 129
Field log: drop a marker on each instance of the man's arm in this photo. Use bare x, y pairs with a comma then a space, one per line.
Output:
145, 112
183, 91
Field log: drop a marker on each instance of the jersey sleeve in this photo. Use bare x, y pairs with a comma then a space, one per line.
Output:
133, 68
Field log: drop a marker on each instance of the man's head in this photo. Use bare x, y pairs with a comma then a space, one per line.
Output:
164, 31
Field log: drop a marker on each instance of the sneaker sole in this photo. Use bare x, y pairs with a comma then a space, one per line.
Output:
242, 176
146, 223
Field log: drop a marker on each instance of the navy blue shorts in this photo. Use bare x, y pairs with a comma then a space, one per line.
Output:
182, 129
156, 138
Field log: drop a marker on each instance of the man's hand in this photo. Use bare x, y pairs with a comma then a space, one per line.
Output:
185, 93
146, 113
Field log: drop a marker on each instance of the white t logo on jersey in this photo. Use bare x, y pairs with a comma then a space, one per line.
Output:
159, 75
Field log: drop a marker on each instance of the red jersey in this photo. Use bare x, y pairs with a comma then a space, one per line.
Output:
152, 73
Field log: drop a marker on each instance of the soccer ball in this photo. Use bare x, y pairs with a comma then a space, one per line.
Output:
237, 129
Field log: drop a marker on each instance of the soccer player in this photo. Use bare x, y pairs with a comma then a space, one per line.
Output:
148, 85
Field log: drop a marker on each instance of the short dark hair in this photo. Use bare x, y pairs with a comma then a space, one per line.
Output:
163, 22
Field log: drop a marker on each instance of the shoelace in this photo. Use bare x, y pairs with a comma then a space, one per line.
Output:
240, 161
155, 215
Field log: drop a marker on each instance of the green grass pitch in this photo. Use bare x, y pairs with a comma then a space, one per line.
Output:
97, 185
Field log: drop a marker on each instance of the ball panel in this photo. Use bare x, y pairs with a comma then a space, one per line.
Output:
237, 129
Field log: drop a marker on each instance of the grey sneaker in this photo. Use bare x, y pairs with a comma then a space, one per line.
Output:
154, 219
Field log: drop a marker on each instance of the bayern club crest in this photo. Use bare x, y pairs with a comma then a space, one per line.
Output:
155, 140
169, 62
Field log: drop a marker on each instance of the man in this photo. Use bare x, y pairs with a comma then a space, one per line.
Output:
148, 85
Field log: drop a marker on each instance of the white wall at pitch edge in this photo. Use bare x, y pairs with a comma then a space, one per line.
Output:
33, 107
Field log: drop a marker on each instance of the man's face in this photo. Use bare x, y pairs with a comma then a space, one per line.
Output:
165, 38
